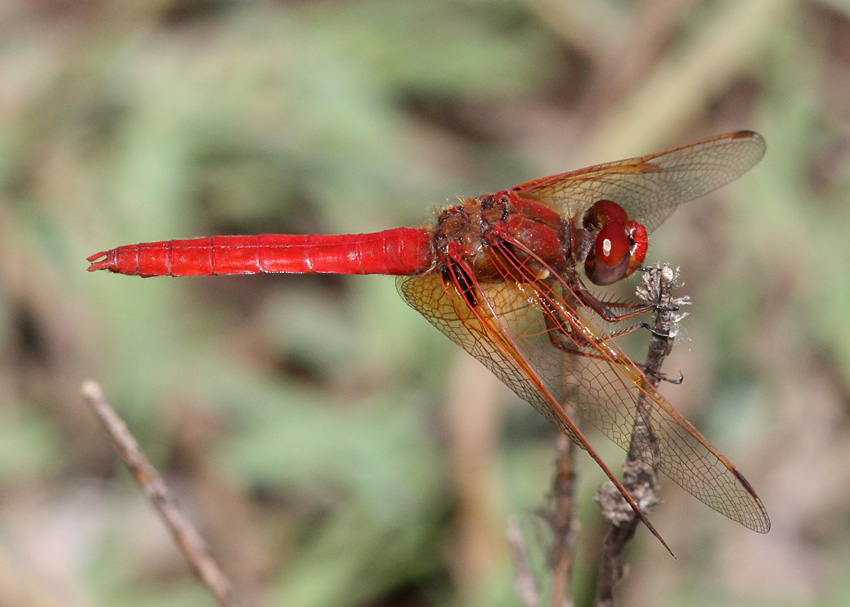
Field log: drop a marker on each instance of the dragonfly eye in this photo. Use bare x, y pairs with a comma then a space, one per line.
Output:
638, 244
608, 261
604, 212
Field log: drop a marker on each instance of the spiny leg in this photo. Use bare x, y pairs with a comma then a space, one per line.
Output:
563, 336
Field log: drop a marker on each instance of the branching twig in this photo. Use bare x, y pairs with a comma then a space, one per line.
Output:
558, 516
184, 533
639, 477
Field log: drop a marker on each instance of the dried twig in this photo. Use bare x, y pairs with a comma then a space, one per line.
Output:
524, 580
560, 514
639, 476
184, 533
559, 518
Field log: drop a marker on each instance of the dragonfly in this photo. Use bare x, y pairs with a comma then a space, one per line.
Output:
504, 275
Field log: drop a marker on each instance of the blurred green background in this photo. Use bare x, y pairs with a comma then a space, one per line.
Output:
331, 445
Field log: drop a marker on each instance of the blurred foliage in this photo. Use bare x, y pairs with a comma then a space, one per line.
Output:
333, 447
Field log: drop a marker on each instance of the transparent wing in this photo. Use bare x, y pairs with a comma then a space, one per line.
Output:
649, 188
511, 330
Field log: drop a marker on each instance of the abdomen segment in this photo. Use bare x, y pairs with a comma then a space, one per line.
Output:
402, 251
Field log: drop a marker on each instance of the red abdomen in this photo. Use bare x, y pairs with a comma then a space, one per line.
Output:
402, 251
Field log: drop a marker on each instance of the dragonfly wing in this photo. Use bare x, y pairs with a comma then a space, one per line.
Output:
511, 331
482, 333
485, 333
609, 390
649, 188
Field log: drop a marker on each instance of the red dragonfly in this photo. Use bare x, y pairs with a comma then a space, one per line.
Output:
501, 276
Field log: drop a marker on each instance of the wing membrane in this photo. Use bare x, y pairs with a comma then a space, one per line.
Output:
649, 188
509, 331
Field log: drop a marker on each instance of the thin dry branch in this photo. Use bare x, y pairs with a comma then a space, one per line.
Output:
559, 517
560, 514
184, 533
640, 478
524, 580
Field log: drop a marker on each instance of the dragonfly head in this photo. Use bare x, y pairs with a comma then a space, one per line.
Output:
618, 244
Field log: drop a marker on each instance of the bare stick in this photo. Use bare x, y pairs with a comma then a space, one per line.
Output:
184, 533
560, 514
639, 477
524, 581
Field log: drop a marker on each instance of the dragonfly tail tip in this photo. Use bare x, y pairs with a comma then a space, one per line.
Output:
98, 261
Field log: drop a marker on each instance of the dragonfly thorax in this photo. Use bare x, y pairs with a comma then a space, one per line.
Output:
499, 236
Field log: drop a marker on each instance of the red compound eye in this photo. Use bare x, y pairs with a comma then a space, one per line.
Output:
639, 244
603, 212
610, 257
611, 210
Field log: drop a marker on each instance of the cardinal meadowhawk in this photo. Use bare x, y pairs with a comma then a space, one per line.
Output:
503, 276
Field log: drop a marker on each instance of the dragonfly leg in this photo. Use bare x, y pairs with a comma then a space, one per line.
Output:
661, 376
605, 309
643, 325
660, 334
564, 336
458, 274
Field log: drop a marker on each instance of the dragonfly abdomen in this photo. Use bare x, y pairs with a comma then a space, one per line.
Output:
401, 251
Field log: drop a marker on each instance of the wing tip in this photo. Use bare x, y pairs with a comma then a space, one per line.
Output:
760, 523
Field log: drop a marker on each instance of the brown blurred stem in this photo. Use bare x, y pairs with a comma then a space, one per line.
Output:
639, 476
184, 533
560, 514
524, 580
